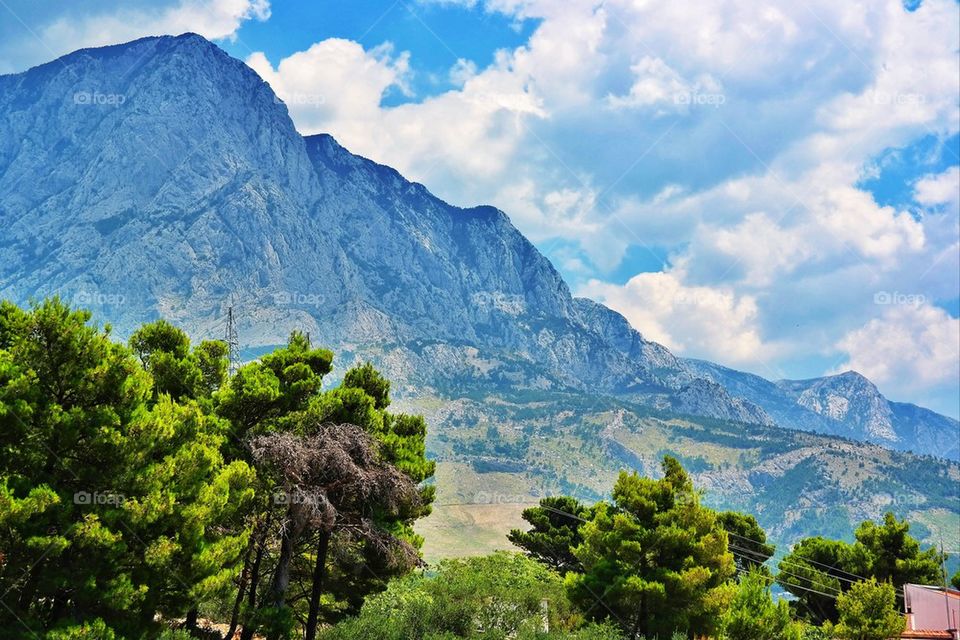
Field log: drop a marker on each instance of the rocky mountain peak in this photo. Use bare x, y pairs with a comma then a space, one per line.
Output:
848, 396
164, 178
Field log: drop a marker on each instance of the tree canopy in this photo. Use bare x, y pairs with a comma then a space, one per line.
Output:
654, 560
139, 484
817, 570
504, 595
868, 611
113, 500
554, 532
143, 488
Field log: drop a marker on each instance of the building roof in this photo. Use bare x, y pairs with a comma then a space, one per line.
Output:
926, 634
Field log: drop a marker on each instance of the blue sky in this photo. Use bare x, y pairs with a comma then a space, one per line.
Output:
429, 33
773, 187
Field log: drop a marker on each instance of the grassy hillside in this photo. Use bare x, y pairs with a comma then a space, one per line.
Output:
498, 454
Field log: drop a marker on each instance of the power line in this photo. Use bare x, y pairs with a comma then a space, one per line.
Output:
854, 578
821, 564
795, 586
739, 571
797, 565
795, 576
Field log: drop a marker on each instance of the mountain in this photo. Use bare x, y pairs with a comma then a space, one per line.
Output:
174, 184
846, 405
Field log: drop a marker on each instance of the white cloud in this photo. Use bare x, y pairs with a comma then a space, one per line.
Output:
454, 138
939, 189
705, 322
656, 84
733, 135
462, 71
334, 80
911, 347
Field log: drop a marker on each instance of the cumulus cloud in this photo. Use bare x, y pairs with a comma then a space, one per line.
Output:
912, 343
706, 322
939, 189
334, 80
658, 86
454, 138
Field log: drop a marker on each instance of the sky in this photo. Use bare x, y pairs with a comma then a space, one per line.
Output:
772, 186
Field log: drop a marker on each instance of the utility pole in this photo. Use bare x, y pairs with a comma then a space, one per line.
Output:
233, 343
946, 590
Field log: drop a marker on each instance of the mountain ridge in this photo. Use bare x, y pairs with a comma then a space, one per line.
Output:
176, 185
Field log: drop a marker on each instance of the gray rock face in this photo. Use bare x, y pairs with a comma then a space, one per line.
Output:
848, 399
163, 178
846, 405
699, 397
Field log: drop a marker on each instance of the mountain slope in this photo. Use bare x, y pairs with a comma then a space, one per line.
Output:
163, 178
496, 456
846, 405
180, 187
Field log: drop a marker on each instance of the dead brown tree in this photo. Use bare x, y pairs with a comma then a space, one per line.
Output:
332, 479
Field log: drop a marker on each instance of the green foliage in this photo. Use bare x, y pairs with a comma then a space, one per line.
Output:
282, 394
127, 488
814, 572
590, 631
655, 561
503, 595
265, 395
175, 634
370, 380
211, 359
113, 495
811, 632
93, 630
869, 612
164, 351
889, 553
748, 540
753, 615
554, 532
955, 580
884, 551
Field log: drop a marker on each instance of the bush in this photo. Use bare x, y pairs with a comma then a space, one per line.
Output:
92, 630
497, 596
